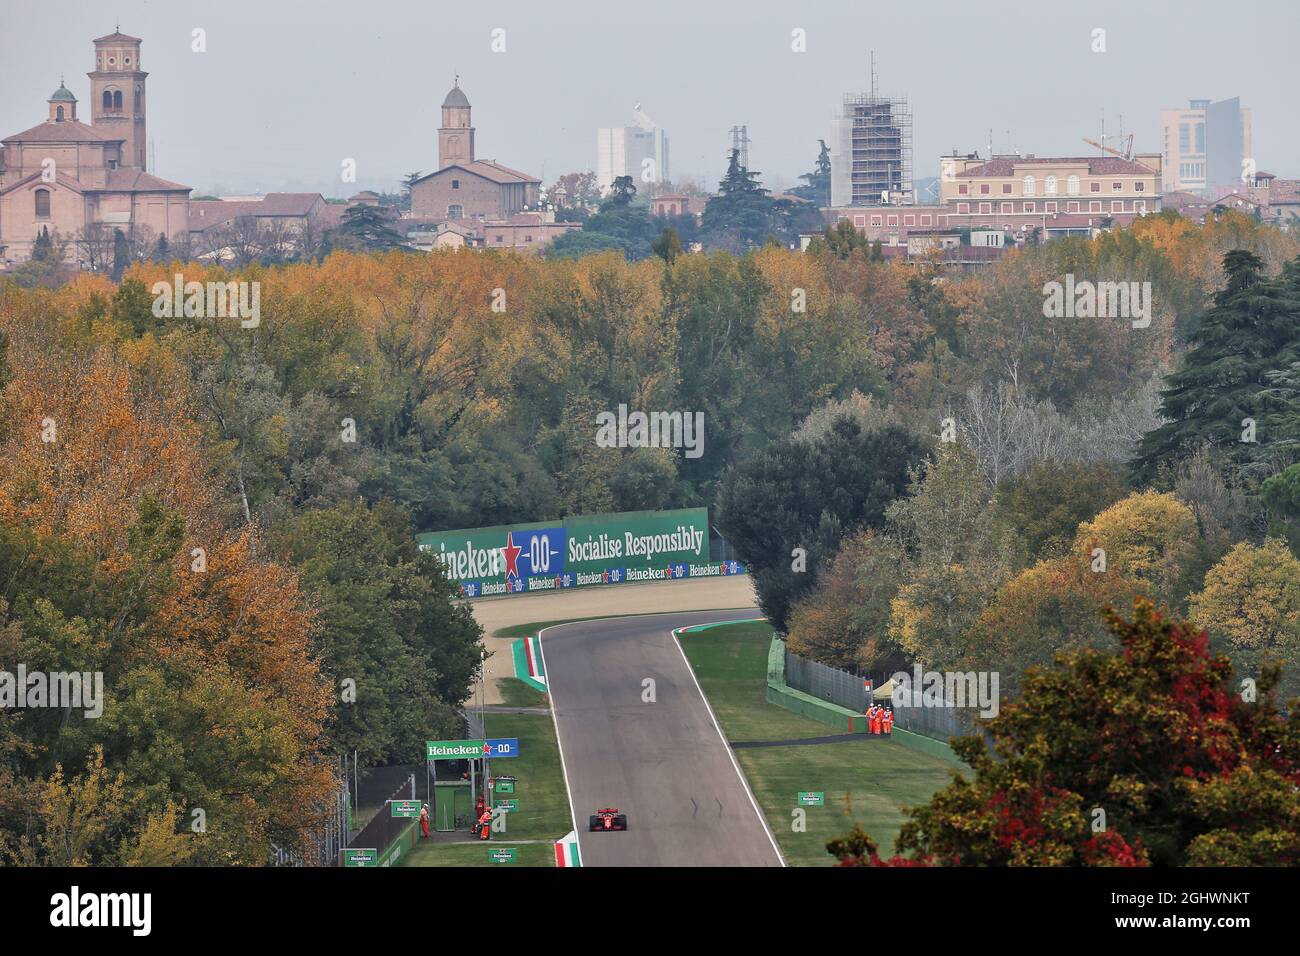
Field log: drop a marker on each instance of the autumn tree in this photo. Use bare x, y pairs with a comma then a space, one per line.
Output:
1147, 755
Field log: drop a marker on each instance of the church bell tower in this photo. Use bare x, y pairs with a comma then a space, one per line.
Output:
117, 101
456, 135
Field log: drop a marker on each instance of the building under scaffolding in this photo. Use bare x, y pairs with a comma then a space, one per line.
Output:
871, 151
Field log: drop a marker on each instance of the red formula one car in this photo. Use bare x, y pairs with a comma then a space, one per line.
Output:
607, 819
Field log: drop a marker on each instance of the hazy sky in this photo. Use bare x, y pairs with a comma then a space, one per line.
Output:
289, 88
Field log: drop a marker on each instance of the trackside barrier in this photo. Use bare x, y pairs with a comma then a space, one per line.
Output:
395, 836
401, 845
795, 701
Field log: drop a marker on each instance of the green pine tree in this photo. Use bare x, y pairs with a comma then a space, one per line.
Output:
1224, 384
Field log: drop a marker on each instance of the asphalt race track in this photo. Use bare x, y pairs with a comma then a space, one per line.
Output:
664, 764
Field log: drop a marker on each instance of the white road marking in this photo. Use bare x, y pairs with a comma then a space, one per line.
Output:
726, 746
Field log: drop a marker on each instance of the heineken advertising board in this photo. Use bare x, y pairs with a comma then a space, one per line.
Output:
578, 551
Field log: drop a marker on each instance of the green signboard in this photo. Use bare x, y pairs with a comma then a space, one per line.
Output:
406, 808
503, 786
504, 855
454, 749
810, 799
575, 552
360, 857
507, 806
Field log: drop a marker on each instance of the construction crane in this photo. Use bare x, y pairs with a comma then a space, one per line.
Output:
1126, 142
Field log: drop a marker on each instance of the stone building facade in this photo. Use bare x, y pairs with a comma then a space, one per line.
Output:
80, 180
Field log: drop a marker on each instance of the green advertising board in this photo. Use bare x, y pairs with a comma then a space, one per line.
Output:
406, 808
360, 857
507, 806
575, 552
503, 786
454, 749
812, 799
503, 855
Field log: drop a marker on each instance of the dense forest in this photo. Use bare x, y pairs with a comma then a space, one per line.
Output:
221, 518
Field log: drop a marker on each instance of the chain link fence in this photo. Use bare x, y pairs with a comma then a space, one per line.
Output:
849, 690
323, 843
825, 683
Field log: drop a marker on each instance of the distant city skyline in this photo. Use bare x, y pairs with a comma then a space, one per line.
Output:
284, 94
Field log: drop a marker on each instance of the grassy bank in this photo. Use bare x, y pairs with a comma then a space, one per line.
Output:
868, 780
543, 801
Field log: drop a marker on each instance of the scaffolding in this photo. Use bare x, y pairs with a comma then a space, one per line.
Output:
872, 162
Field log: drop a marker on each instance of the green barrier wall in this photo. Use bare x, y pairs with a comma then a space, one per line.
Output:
401, 845
927, 745
832, 715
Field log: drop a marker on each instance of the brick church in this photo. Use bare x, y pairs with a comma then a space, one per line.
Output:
68, 177
465, 187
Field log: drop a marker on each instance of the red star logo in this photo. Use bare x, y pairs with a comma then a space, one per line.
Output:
487, 748
668, 571
511, 551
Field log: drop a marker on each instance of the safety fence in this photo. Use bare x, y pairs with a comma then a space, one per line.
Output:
798, 702
827, 683
936, 721
385, 833
324, 842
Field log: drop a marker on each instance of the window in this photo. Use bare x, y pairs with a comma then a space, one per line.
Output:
1094, 206
1140, 206
877, 221
1008, 208
984, 189
1031, 207
1117, 187
861, 222
1030, 186
892, 221
58, 114
986, 208
1049, 207
963, 208
963, 189
1071, 207
909, 220
455, 184
1006, 189
42, 204
1049, 185
1096, 187
1200, 137
117, 101
528, 238
1139, 186
925, 219
501, 238
1184, 138
108, 101
455, 211
1072, 185
1117, 205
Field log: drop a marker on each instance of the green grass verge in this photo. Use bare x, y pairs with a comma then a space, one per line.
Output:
868, 780
515, 693
543, 802
529, 854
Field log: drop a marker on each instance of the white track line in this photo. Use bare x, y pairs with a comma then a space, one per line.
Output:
577, 832
726, 746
